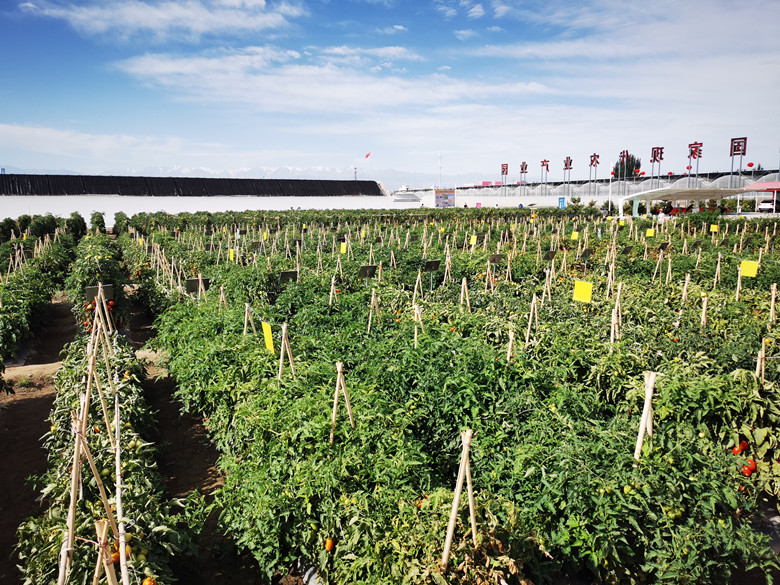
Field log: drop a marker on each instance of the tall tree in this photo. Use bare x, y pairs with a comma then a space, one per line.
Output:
628, 168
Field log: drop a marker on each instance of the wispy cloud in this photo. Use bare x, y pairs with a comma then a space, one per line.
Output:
182, 20
80, 144
392, 30
464, 34
445, 10
273, 80
476, 11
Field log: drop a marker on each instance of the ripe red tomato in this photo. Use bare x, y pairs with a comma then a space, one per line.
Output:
751, 464
747, 471
111, 303
737, 450
743, 445
150, 581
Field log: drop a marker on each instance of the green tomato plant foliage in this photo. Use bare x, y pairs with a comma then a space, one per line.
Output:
557, 489
160, 529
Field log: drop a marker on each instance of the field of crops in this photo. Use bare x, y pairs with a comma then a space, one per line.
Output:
340, 360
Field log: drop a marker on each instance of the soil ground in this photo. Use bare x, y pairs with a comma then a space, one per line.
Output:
189, 462
23, 421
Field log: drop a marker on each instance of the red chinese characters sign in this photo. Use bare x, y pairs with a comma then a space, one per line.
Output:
657, 154
739, 146
694, 150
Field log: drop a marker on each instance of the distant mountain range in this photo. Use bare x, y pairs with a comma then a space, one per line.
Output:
392, 179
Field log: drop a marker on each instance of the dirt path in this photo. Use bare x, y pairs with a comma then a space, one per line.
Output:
23, 421
188, 462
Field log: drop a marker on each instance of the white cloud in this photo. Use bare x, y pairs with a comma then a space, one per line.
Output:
271, 80
395, 29
396, 53
241, 3
182, 19
446, 11
105, 147
476, 11
464, 35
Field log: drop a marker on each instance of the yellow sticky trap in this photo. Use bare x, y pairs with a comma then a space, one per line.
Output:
265, 236
224, 229
714, 228
575, 235
269, 340
232, 255
140, 242
24, 237
748, 268
473, 240
583, 291
610, 218
622, 222
441, 229
343, 247
362, 233
650, 233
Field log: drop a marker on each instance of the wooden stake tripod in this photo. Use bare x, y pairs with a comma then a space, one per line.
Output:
464, 472
340, 387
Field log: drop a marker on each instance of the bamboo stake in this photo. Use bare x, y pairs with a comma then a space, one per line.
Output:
613, 330
248, 319
533, 315
285, 348
66, 552
760, 360
118, 479
418, 321
646, 424
739, 282
717, 272
657, 264
104, 556
340, 385
373, 308
685, 287
510, 349
704, 311
332, 291
104, 407
772, 303
462, 473
417, 285
464, 295
98, 479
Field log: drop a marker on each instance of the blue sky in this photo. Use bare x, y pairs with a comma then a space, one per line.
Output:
305, 88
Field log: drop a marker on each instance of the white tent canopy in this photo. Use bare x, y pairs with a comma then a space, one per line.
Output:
682, 194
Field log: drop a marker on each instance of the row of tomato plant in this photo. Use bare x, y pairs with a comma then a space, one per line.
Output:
157, 529
554, 425
26, 290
